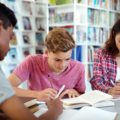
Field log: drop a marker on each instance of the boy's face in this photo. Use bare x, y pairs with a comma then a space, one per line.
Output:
58, 62
5, 35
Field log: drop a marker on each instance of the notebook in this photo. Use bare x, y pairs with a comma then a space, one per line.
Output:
85, 113
89, 98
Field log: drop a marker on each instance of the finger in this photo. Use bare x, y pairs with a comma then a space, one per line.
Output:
54, 91
77, 95
64, 93
117, 88
116, 92
69, 94
73, 95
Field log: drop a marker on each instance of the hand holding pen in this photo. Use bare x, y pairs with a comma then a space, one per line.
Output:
115, 91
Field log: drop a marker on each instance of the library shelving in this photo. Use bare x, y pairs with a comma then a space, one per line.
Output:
29, 32
89, 21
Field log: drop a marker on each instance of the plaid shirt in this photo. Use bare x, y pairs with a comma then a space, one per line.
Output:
104, 70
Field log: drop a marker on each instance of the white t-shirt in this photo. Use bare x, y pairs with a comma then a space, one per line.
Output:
118, 74
6, 90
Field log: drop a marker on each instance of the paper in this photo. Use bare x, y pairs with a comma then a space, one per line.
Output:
40, 102
66, 114
91, 113
94, 96
114, 99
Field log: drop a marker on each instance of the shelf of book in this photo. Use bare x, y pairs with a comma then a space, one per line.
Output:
29, 32
90, 28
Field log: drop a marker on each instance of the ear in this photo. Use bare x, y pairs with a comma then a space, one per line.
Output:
1, 23
46, 52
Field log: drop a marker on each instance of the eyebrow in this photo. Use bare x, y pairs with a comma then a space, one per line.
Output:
60, 59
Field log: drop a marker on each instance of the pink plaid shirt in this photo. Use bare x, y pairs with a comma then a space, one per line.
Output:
104, 70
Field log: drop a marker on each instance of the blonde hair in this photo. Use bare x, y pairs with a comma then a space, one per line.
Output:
59, 39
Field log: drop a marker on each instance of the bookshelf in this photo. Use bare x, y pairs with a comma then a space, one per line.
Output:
90, 25
29, 33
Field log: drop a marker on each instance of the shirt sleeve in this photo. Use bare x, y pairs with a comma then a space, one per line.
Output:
23, 71
6, 90
97, 81
80, 86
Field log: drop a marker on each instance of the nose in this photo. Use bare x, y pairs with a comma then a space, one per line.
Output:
62, 64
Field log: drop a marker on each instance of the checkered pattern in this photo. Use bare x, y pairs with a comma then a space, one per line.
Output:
104, 70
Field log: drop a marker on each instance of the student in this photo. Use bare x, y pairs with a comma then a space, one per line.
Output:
107, 65
9, 103
56, 63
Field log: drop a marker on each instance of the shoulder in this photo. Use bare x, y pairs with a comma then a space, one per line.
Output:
76, 64
102, 53
36, 57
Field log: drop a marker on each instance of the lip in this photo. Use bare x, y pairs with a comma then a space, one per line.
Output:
61, 68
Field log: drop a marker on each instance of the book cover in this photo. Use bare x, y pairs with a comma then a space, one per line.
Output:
39, 51
27, 7
13, 40
26, 23
39, 24
13, 54
12, 5
11, 67
26, 52
39, 9
39, 39
26, 39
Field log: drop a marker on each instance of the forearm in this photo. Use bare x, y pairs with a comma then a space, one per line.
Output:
97, 84
24, 93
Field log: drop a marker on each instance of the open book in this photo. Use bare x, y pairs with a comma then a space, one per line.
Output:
85, 113
89, 98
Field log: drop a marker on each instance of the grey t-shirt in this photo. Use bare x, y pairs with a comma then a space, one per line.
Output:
6, 90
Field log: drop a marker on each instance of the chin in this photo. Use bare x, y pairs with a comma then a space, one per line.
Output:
1, 58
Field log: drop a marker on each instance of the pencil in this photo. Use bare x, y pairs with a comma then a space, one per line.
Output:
50, 81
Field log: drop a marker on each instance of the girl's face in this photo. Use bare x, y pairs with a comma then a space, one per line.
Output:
117, 41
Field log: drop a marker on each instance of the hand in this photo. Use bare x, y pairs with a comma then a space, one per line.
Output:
70, 92
118, 83
115, 92
56, 106
46, 95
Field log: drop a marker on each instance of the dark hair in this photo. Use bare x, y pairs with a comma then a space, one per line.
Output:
110, 44
59, 39
7, 16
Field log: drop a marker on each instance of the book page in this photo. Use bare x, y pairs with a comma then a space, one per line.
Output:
91, 113
94, 96
72, 101
105, 103
66, 114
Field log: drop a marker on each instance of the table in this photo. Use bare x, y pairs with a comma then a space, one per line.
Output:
115, 108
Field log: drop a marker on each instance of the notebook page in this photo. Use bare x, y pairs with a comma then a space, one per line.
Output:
66, 114
91, 113
94, 96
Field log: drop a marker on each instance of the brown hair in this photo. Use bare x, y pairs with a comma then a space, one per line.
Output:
59, 39
110, 44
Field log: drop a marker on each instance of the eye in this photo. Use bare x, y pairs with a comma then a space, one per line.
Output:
57, 60
68, 59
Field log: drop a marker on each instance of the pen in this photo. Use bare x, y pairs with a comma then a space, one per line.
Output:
50, 81
61, 89
112, 83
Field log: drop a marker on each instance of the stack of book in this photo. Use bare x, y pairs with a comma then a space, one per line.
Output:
30, 103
